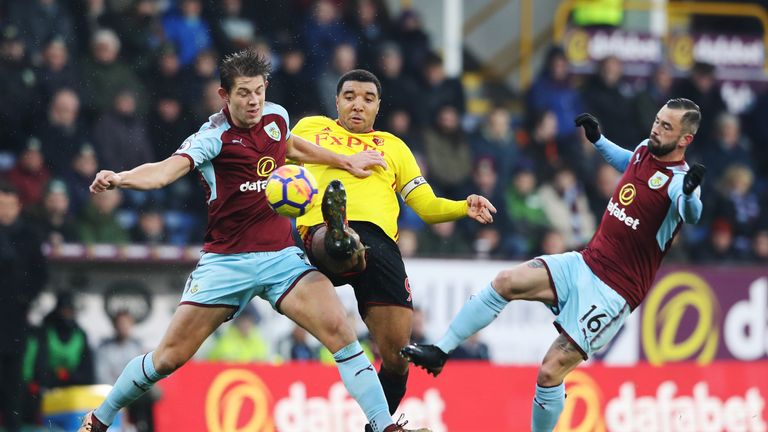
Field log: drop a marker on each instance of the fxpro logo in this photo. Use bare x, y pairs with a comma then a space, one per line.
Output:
264, 168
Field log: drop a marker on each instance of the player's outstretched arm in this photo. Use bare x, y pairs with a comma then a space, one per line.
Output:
359, 164
689, 204
148, 176
616, 156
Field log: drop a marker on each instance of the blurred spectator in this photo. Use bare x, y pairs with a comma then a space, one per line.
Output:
370, 26
232, 29
407, 242
738, 204
55, 221
62, 134
323, 31
90, 16
760, 246
209, 103
730, 147
418, 330
398, 90
495, 140
702, 88
150, 229
30, 175
169, 125
140, 31
98, 221
606, 179
295, 347
166, 77
442, 240
39, 20
194, 78
104, 76
719, 246
540, 144
241, 341
413, 41
19, 101
757, 128
553, 91
401, 125
187, 30
79, 177
56, 71
448, 154
440, 90
552, 243
525, 213
656, 92
567, 208
291, 86
487, 242
120, 135
609, 98
62, 356
471, 349
113, 354
25, 273
344, 60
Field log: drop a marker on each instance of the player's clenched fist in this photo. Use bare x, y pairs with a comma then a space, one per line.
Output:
105, 180
590, 125
693, 178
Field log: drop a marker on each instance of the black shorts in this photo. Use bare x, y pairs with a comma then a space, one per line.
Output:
384, 281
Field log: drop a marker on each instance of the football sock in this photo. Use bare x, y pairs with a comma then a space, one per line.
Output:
477, 313
361, 381
137, 378
394, 387
547, 406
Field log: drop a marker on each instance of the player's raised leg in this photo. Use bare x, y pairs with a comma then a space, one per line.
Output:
313, 304
189, 327
340, 249
561, 358
528, 281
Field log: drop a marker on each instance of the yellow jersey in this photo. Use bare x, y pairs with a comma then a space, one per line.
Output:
371, 199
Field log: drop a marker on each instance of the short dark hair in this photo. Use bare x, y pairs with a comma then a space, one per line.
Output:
692, 117
361, 75
8, 188
245, 63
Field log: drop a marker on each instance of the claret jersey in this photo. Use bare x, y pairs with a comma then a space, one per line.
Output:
234, 164
638, 225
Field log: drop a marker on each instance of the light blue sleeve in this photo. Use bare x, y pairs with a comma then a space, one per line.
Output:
688, 206
201, 146
616, 156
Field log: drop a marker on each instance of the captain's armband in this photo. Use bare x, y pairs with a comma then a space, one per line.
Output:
411, 185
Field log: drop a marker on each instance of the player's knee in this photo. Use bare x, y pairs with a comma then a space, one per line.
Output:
550, 375
508, 284
167, 361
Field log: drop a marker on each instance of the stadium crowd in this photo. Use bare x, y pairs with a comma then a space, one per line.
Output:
114, 83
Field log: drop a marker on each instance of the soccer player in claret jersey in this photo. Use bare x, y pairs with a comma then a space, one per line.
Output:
593, 291
354, 241
248, 248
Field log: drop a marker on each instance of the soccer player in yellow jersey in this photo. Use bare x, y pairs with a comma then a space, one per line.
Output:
354, 241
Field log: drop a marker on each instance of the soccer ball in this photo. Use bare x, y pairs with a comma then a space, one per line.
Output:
291, 190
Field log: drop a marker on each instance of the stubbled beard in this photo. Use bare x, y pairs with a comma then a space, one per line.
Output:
657, 149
